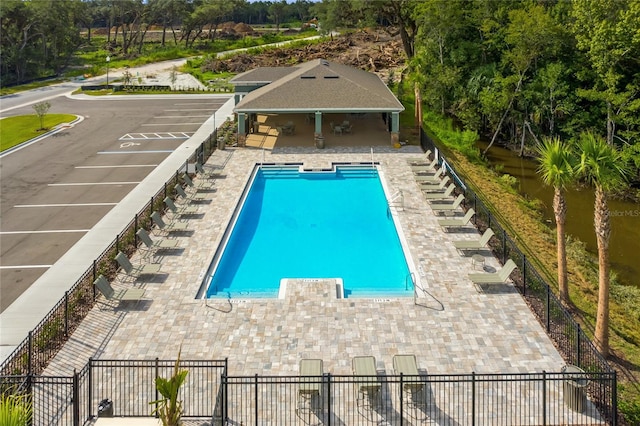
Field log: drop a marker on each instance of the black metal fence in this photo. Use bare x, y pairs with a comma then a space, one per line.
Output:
565, 333
42, 343
466, 399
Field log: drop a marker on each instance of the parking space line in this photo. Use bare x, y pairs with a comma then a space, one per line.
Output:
156, 151
25, 266
168, 124
116, 167
51, 231
156, 135
66, 205
92, 183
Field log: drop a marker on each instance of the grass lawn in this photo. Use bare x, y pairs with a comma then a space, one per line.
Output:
15, 130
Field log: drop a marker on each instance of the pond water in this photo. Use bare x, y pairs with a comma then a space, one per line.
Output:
624, 245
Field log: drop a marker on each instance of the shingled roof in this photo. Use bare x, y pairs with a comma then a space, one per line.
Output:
318, 85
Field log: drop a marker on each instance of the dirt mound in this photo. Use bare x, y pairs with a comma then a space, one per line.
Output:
243, 28
374, 52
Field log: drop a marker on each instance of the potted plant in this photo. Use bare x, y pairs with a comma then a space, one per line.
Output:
169, 408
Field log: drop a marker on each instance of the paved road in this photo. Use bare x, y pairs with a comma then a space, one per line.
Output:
55, 190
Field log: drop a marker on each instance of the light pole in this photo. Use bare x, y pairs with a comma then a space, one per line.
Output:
108, 60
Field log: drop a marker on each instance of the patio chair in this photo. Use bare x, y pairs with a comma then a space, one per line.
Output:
182, 210
156, 245
368, 387
198, 196
433, 186
448, 207
138, 270
457, 222
439, 195
203, 172
347, 129
498, 277
129, 294
434, 178
421, 160
337, 130
425, 167
169, 227
475, 244
310, 387
412, 384
201, 185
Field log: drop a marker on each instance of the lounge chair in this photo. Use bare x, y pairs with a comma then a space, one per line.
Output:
182, 210
203, 172
156, 245
439, 195
457, 222
407, 366
130, 294
368, 386
202, 185
448, 207
475, 244
434, 178
494, 277
425, 167
169, 227
138, 270
197, 196
310, 388
434, 186
424, 159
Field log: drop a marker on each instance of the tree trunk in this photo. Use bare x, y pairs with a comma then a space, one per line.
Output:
524, 132
610, 124
418, 104
560, 211
603, 232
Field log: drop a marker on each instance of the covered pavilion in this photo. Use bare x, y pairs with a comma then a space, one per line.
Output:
307, 103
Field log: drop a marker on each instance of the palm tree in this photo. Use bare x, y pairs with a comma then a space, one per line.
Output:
556, 171
602, 167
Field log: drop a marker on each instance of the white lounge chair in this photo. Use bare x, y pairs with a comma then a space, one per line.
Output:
424, 159
130, 294
433, 186
457, 222
448, 207
430, 178
169, 227
498, 277
475, 244
425, 167
439, 195
138, 270
201, 185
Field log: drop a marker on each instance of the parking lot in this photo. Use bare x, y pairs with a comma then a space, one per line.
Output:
55, 190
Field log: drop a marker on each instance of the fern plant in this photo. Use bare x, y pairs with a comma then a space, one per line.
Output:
15, 409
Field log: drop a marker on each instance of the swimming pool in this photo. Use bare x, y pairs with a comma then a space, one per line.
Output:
311, 225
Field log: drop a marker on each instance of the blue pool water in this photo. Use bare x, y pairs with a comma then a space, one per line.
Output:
313, 225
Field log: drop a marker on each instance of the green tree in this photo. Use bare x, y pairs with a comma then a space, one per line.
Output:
169, 408
41, 109
276, 12
556, 171
601, 166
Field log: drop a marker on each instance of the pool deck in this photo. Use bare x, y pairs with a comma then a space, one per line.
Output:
453, 328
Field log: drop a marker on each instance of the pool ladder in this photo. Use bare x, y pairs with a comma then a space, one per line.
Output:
397, 199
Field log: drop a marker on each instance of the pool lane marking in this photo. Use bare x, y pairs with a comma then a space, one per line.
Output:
115, 167
67, 205
51, 231
25, 266
92, 183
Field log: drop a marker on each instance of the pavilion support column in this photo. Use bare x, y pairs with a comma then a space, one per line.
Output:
395, 128
242, 129
317, 135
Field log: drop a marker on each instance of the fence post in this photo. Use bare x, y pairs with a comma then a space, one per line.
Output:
578, 343
76, 399
66, 313
255, 405
614, 399
157, 368
401, 400
544, 398
524, 274
117, 242
473, 398
135, 230
95, 271
30, 358
548, 308
504, 246
329, 399
90, 388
